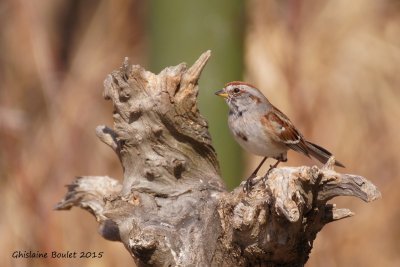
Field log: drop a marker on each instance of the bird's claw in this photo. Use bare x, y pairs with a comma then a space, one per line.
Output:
271, 167
249, 183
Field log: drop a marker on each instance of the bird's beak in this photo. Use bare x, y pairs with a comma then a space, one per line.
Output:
222, 93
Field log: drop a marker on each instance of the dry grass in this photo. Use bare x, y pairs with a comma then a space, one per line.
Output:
54, 57
333, 66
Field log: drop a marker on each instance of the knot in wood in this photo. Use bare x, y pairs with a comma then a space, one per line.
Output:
178, 166
150, 174
125, 93
143, 245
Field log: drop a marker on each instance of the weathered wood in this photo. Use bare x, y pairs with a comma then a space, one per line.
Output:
172, 208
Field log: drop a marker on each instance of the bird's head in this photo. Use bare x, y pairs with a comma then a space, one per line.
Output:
241, 94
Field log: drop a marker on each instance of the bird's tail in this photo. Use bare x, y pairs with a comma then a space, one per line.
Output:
320, 153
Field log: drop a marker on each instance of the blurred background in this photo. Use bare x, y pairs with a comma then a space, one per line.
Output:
332, 66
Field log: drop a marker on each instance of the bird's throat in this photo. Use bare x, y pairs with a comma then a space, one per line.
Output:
235, 110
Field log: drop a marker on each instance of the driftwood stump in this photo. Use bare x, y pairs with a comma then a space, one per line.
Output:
172, 208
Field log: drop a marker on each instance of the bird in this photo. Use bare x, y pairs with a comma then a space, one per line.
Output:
262, 129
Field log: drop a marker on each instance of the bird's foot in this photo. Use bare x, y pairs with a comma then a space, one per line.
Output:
249, 183
271, 167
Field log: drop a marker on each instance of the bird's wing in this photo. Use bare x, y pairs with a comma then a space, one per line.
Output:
285, 132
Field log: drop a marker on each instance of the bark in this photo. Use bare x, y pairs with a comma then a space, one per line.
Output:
172, 208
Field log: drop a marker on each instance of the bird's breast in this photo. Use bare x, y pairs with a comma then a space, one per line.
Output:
251, 135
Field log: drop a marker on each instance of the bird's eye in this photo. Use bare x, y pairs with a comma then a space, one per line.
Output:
236, 90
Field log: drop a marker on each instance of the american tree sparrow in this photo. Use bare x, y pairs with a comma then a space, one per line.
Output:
264, 130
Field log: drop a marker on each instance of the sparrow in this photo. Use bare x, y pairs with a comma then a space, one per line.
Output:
262, 129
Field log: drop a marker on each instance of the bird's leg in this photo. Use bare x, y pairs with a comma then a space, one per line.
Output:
249, 182
271, 167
